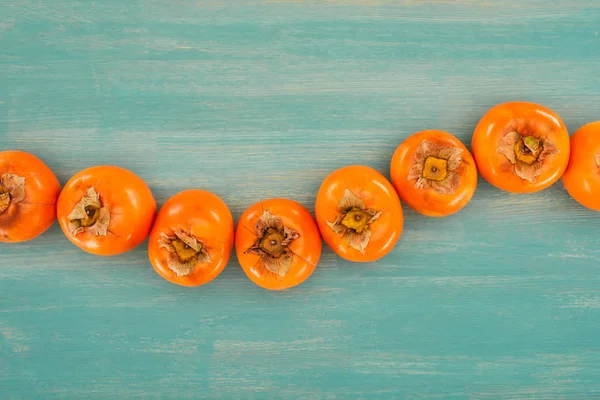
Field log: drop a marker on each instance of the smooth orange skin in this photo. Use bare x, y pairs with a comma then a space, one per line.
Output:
33, 216
429, 202
307, 248
582, 177
376, 192
129, 200
206, 217
495, 168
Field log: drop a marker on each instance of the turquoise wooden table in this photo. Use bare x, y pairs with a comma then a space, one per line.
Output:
253, 99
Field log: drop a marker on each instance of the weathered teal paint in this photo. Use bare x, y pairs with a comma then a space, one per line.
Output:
256, 99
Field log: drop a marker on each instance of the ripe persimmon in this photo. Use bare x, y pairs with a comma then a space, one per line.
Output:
582, 177
277, 243
521, 147
359, 213
106, 210
28, 193
192, 238
434, 173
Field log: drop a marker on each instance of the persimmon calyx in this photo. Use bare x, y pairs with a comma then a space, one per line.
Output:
435, 167
12, 190
526, 153
354, 221
598, 160
272, 243
185, 252
89, 215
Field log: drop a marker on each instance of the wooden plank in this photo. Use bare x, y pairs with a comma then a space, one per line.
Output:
256, 99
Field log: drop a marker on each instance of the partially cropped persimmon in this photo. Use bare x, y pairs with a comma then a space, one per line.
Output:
28, 193
434, 173
277, 243
106, 210
192, 238
359, 213
521, 147
582, 177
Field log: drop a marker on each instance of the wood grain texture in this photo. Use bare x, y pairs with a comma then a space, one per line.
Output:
255, 99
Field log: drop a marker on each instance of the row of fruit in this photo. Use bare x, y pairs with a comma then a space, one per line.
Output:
107, 210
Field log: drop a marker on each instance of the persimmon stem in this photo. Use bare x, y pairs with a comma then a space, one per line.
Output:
4, 199
92, 214
435, 168
185, 252
528, 149
356, 219
12, 190
89, 215
272, 243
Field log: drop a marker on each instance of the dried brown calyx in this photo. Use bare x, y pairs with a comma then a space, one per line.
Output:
598, 160
354, 220
185, 252
526, 153
12, 190
435, 167
272, 244
89, 215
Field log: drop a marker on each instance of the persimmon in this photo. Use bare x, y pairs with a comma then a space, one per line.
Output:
192, 238
582, 177
359, 213
277, 243
434, 173
521, 147
28, 193
106, 210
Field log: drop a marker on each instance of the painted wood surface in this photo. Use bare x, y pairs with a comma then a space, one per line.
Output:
254, 99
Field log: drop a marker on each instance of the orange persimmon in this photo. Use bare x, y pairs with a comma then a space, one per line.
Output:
359, 213
192, 238
582, 177
434, 173
521, 147
277, 243
28, 193
106, 210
